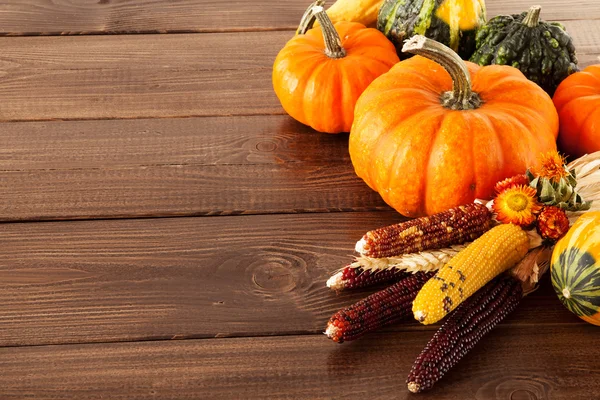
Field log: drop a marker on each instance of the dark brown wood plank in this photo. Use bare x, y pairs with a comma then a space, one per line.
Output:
138, 76
120, 76
40, 17
550, 362
127, 280
167, 167
210, 141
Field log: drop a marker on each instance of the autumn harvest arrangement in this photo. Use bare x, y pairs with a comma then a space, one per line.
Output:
454, 120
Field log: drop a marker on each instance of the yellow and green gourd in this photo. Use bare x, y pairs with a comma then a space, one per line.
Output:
575, 268
451, 22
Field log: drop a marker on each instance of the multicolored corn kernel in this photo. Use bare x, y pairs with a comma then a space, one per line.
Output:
377, 310
487, 257
356, 277
465, 327
517, 180
455, 226
552, 224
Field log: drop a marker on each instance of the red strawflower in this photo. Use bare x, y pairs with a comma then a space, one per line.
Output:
552, 223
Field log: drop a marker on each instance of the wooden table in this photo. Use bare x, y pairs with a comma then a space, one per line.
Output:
168, 229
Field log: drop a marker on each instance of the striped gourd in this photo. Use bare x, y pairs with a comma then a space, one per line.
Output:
575, 268
496, 251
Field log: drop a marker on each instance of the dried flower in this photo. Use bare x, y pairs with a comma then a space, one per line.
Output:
552, 167
517, 205
553, 223
517, 180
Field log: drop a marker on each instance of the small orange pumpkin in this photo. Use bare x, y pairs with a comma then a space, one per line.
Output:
427, 139
577, 100
318, 76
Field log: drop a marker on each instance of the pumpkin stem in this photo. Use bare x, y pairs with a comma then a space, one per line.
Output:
332, 38
308, 19
461, 97
532, 19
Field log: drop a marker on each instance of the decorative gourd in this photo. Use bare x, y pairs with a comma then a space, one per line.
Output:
576, 268
429, 139
577, 101
318, 76
451, 22
363, 11
543, 51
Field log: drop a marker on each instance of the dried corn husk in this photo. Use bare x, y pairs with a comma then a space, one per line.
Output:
414, 262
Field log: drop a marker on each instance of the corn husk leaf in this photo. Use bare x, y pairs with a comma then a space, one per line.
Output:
415, 262
529, 271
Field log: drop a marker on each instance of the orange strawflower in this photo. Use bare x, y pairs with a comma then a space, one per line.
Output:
553, 223
552, 166
517, 205
508, 183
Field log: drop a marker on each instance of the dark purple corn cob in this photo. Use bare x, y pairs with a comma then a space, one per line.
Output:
463, 329
456, 226
377, 310
357, 277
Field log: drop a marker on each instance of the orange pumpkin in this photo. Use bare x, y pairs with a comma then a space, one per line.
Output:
318, 76
429, 138
577, 100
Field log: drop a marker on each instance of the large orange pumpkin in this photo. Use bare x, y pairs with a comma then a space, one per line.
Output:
426, 145
577, 100
318, 76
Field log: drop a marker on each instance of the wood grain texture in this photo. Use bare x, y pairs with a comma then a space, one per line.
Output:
168, 167
157, 76
42, 17
511, 363
126, 280
138, 76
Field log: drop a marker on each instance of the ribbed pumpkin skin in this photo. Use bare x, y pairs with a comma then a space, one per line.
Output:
401, 19
576, 268
545, 53
320, 91
577, 101
423, 158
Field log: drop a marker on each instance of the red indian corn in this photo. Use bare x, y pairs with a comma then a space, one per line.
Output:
463, 329
377, 310
357, 277
455, 226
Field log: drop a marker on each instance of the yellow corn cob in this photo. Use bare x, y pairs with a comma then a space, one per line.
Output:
493, 253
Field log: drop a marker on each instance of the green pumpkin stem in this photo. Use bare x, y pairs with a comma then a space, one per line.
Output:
308, 19
332, 38
532, 19
461, 97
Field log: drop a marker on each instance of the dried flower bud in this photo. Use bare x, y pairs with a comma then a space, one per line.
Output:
552, 223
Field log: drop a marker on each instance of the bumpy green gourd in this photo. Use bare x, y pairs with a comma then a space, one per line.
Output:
543, 51
451, 22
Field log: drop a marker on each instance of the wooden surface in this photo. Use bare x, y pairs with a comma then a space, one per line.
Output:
166, 230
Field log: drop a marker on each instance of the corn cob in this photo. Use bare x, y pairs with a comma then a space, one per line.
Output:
455, 226
493, 253
472, 320
377, 310
357, 277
